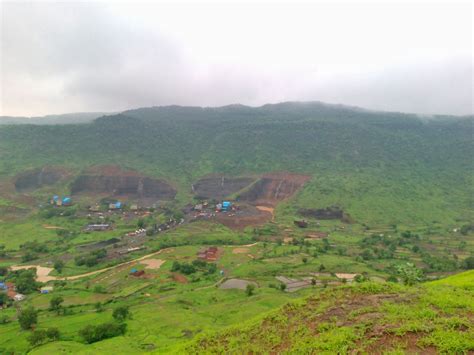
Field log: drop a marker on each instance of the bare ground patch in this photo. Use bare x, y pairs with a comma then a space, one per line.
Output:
152, 263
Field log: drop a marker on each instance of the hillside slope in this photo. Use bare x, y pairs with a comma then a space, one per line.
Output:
430, 318
382, 167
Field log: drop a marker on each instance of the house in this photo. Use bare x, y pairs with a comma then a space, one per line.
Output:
198, 207
226, 205
55, 200
115, 206
95, 208
3, 286
66, 201
134, 207
46, 289
19, 297
11, 293
97, 227
209, 254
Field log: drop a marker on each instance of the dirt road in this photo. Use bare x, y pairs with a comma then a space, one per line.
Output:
42, 273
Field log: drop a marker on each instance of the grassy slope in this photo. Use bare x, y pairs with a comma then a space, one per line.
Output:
366, 317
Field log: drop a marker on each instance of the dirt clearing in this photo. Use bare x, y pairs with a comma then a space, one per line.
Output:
240, 250
152, 263
42, 272
236, 284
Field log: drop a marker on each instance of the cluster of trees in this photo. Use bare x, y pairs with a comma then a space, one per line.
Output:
24, 280
50, 212
196, 265
42, 336
28, 319
94, 333
91, 259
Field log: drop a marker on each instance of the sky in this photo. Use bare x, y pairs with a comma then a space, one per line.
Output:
59, 57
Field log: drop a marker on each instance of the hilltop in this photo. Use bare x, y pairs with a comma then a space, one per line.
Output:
432, 318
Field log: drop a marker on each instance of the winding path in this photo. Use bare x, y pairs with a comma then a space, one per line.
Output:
42, 272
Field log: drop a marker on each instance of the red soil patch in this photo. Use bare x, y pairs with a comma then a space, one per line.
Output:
179, 278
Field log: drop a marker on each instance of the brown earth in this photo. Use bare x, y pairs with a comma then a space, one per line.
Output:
248, 216
273, 188
218, 187
114, 181
152, 263
179, 278
32, 179
240, 250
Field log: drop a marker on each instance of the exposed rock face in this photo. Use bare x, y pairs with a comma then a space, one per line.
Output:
272, 188
116, 182
219, 187
36, 178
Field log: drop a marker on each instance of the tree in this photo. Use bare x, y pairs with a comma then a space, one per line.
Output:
249, 290
282, 286
313, 281
468, 263
176, 266
322, 267
25, 281
121, 313
409, 273
55, 304
305, 260
3, 299
99, 307
27, 318
58, 266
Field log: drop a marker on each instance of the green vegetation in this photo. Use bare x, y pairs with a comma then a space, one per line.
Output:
350, 319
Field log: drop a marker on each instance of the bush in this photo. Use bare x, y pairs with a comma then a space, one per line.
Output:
121, 313
249, 290
468, 263
94, 333
53, 333
37, 337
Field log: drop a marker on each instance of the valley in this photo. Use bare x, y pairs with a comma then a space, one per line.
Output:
323, 223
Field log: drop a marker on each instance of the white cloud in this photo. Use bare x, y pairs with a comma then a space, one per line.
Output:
62, 57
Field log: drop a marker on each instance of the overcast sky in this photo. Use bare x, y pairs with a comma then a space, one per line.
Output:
100, 56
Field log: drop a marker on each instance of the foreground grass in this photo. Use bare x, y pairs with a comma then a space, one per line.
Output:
367, 317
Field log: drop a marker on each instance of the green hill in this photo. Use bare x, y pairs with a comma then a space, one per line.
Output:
380, 167
431, 318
